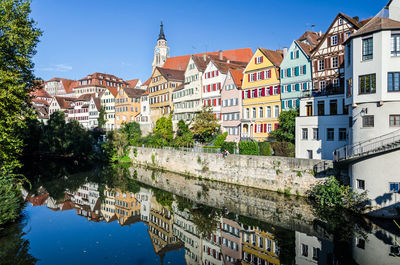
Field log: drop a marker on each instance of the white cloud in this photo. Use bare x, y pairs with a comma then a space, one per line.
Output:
57, 68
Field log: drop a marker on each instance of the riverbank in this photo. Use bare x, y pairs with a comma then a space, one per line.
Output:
281, 174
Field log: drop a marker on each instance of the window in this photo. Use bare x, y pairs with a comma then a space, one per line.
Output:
333, 106
394, 187
315, 253
261, 112
321, 108
310, 154
321, 65
361, 184
259, 60
367, 84
394, 120
309, 109
349, 87
254, 113
269, 112
393, 82
269, 127
360, 243
322, 85
304, 134
247, 113
276, 90
330, 134
395, 49
315, 134
260, 92
342, 134
336, 83
276, 111
368, 121
340, 21
367, 49
335, 62
304, 250
334, 40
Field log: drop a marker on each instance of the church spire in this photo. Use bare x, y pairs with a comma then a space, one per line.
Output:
161, 36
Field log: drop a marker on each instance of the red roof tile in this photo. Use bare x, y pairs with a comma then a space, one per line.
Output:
275, 57
132, 83
171, 74
237, 77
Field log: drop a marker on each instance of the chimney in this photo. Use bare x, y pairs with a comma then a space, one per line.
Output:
356, 19
205, 57
320, 33
220, 55
285, 51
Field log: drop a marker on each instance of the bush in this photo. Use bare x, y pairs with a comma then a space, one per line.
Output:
230, 146
220, 139
331, 193
283, 149
248, 148
10, 199
265, 149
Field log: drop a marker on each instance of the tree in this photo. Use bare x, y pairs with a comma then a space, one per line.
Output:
18, 40
287, 127
101, 120
132, 131
184, 137
205, 125
164, 130
182, 128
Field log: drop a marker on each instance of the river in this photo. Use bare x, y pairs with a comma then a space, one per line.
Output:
126, 215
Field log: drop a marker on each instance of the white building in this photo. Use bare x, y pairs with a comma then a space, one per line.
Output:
322, 127
94, 110
313, 250
107, 99
60, 87
372, 67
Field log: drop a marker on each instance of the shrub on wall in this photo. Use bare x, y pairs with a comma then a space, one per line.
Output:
230, 146
283, 149
265, 149
220, 139
248, 148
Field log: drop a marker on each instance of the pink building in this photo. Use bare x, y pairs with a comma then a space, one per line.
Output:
231, 107
231, 247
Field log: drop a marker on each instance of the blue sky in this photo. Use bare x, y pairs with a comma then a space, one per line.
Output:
118, 36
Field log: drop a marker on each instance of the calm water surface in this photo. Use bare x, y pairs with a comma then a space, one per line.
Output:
122, 215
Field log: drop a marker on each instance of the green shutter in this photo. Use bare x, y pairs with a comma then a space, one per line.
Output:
297, 87
290, 104
304, 69
289, 88
297, 71
283, 104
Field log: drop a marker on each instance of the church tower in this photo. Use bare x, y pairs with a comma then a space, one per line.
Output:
161, 51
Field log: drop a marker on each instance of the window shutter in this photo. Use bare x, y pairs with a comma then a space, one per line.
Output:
248, 77
305, 86
290, 103
329, 41
265, 127
289, 72
256, 94
283, 104
297, 87
315, 65
279, 89
289, 88
204, 89
262, 75
255, 60
269, 73
249, 93
271, 91
209, 102
297, 54
304, 69
242, 94
282, 73
219, 102
297, 102
276, 125
209, 88
262, 59
262, 128
297, 72
255, 128
263, 91
291, 55
217, 73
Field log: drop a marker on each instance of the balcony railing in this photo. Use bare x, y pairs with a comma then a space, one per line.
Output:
379, 144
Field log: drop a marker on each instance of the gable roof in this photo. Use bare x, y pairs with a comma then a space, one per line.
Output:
307, 49
311, 37
133, 92
224, 66
237, 76
275, 57
133, 82
355, 23
64, 102
171, 74
68, 84
181, 62
180, 87
376, 24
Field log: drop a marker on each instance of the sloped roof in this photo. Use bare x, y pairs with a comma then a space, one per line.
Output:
133, 82
201, 62
237, 76
64, 102
377, 24
305, 47
311, 37
86, 97
171, 74
41, 92
68, 84
180, 87
275, 57
97, 102
225, 66
147, 82
181, 62
133, 92
352, 20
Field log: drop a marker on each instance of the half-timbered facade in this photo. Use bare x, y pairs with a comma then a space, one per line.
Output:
328, 57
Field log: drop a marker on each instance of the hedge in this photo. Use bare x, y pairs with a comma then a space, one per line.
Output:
248, 148
283, 149
265, 149
230, 146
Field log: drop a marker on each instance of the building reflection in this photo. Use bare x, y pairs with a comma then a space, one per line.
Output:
234, 239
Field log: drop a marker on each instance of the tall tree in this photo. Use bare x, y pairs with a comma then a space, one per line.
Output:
101, 120
18, 39
164, 129
205, 125
287, 127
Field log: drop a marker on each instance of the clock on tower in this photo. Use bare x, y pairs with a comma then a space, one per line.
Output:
161, 51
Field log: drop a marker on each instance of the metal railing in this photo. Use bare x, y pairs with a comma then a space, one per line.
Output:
196, 149
371, 146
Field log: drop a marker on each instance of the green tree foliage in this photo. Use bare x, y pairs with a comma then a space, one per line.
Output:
10, 199
220, 139
18, 40
287, 126
116, 146
132, 131
331, 193
205, 125
248, 148
184, 137
101, 120
230, 146
164, 131
206, 219
265, 149
283, 149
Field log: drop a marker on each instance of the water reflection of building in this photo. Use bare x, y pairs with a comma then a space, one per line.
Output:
87, 201
160, 230
187, 232
144, 196
231, 247
259, 247
127, 207
108, 206
313, 250
212, 254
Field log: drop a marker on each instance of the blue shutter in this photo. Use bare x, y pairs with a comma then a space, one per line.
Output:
289, 72
297, 54
296, 70
291, 55
298, 103
283, 105
305, 86
297, 87
281, 73
304, 69
289, 88
290, 104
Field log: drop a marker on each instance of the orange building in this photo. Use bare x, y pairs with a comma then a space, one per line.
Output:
127, 105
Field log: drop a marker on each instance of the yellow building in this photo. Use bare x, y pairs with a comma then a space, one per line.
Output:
127, 207
259, 247
261, 94
127, 105
163, 83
